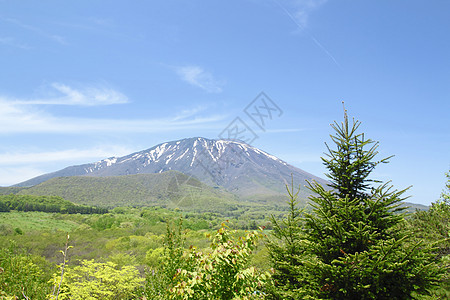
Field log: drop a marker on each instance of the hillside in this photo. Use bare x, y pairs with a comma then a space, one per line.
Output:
170, 189
6, 190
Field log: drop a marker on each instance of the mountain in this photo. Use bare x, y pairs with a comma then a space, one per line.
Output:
241, 169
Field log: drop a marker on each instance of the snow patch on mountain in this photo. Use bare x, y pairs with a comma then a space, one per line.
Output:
182, 155
110, 161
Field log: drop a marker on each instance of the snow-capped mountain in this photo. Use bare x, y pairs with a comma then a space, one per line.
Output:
237, 166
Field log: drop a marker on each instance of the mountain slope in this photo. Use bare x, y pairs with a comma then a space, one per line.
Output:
170, 189
242, 169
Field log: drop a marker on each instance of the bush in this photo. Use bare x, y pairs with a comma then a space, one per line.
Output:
223, 273
94, 280
20, 275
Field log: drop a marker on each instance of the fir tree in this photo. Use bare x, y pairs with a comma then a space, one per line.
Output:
433, 226
286, 252
353, 244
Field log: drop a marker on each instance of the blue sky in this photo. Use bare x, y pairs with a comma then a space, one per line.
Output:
84, 80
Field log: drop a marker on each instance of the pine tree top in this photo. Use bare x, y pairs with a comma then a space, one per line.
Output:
351, 163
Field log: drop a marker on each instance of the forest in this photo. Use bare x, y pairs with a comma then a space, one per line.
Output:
46, 204
354, 241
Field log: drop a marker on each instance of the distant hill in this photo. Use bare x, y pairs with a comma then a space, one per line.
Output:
248, 172
412, 207
10, 190
170, 189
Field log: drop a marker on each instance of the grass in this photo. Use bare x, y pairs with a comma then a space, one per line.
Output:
30, 221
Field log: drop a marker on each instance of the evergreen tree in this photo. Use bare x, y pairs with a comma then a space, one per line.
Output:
433, 226
445, 195
353, 244
286, 252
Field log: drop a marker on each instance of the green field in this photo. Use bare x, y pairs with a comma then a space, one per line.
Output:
36, 221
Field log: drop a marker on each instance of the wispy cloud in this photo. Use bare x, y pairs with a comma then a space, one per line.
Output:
8, 41
102, 21
198, 77
24, 158
188, 113
54, 37
19, 166
14, 174
285, 130
300, 15
301, 9
18, 118
85, 96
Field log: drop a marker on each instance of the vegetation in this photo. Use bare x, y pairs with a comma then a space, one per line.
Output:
353, 242
433, 227
285, 249
95, 280
21, 274
223, 272
45, 204
170, 189
352, 245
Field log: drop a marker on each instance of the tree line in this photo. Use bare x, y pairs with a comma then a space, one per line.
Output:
53, 204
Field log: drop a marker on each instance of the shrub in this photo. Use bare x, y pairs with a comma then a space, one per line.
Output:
94, 280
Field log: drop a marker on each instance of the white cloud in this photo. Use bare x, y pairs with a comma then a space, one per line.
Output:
301, 9
198, 77
8, 41
14, 175
14, 117
54, 37
19, 166
86, 96
285, 130
25, 158
18, 118
187, 113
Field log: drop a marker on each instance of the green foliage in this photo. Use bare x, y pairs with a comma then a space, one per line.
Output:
21, 275
34, 221
95, 280
133, 232
433, 227
105, 222
286, 250
222, 273
45, 204
4, 207
445, 195
353, 244
170, 189
10, 190
161, 278
154, 257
